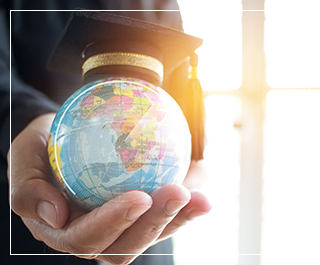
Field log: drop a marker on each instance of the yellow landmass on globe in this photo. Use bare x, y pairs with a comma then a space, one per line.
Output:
141, 105
148, 130
97, 101
123, 92
54, 158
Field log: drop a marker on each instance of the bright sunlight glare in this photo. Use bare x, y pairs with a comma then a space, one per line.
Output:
292, 41
213, 239
219, 25
290, 230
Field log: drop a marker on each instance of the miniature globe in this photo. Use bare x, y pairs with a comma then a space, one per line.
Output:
116, 135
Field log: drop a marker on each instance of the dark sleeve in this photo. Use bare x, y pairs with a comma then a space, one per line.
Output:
26, 102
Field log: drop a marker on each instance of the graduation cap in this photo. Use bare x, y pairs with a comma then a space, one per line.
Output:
96, 42
102, 43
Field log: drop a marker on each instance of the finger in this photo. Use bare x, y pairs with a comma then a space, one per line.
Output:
32, 194
199, 205
167, 201
88, 235
40, 200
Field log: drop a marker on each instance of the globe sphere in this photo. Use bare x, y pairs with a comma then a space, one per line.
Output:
116, 135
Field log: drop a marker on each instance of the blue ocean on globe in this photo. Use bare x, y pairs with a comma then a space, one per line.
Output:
116, 135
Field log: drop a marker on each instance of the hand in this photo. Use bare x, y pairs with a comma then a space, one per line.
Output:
129, 223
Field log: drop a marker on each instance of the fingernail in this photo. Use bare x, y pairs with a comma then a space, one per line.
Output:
136, 211
47, 212
172, 207
194, 214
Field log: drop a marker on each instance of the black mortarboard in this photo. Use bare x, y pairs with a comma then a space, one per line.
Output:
100, 43
90, 33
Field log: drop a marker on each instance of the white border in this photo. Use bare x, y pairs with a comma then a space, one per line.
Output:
66, 254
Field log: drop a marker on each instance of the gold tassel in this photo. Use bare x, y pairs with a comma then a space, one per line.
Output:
195, 110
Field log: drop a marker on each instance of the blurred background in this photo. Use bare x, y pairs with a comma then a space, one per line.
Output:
260, 69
